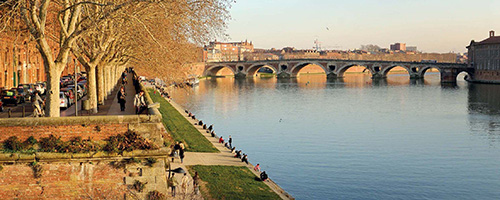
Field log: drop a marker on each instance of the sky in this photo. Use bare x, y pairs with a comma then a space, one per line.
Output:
432, 25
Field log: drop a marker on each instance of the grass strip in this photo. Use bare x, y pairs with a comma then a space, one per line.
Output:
231, 182
180, 128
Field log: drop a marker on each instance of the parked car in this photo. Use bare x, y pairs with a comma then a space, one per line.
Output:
28, 88
64, 101
11, 96
79, 90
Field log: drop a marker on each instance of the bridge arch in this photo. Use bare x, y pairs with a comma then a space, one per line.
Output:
252, 70
344, 68
424, 69
295, 69
388, 69
213, 70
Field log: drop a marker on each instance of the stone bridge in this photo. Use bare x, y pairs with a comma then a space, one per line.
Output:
336, 68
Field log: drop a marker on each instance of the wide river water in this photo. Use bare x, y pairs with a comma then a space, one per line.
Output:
360, 139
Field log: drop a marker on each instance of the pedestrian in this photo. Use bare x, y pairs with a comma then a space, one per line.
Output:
257, 167
196, 183
172, 182
181, 145
140, 103
122, 98
181, 155
176, 149
230, 140
185, 183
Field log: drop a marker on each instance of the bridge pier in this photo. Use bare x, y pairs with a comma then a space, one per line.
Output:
240, 75
378, 76
332, 76
416, 76
283, 75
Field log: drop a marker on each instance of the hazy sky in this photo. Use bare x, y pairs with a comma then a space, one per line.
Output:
431, 25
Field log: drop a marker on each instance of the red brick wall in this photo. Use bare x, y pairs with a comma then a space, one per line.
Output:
62, 181
95, 132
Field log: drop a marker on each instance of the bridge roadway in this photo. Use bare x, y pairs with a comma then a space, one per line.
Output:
334, 68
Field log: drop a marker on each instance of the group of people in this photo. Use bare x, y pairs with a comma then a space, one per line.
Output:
178, 151
139, 99
228, 144
185, 182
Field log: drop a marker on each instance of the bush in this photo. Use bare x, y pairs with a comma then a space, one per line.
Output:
139, 186
155, 195
77, 145
12, 144
52, 144
127, 142
150, 161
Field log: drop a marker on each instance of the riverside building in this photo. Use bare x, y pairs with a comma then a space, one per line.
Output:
484, 57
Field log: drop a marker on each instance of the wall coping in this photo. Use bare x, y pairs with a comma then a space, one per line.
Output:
91, 156
80, 120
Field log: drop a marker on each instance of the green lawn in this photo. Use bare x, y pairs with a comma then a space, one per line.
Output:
231, 182
180, 128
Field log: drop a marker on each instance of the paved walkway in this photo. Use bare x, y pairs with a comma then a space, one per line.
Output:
225, 157
111, 105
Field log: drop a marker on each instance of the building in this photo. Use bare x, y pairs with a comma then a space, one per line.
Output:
20, 61
484, 57
227, 51
411, 48
398, 47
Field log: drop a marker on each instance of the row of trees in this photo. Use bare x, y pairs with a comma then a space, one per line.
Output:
105, 35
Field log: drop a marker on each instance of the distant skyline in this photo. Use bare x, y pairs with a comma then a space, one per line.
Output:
431, 25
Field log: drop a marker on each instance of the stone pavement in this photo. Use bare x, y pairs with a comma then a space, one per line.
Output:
225, 157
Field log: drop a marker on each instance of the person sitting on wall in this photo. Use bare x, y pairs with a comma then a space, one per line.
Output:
190, 115
221, 140
200, 123
210, 127
245, 158
257, 167
204, 126
212, 133
193, 117
263, 176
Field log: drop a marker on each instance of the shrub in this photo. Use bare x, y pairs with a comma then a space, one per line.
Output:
53, 144
155, 195
127, 142
139, 186
150, 161
77, 145
12, 144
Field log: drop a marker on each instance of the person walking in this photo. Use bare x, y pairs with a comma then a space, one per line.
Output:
185, 183
230, 140
181, 154
140, 103
196, 183
172, 182
121, 98
37, 103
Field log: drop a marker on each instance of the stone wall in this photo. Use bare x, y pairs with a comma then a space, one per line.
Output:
80, 180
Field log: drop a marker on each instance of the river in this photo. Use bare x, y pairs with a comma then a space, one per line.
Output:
358, 138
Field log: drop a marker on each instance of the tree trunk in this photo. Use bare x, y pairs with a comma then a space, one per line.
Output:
100, 85
52, 108
91, 72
